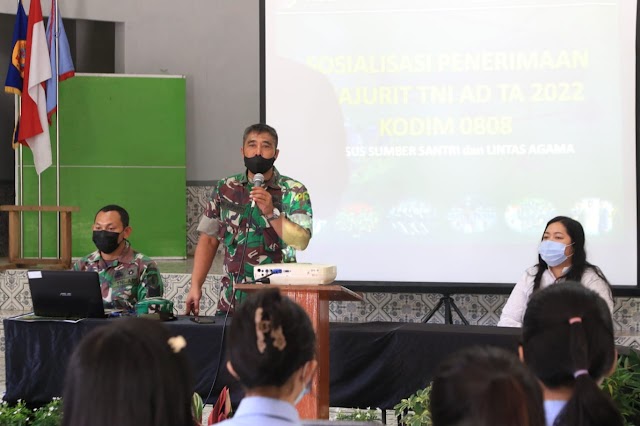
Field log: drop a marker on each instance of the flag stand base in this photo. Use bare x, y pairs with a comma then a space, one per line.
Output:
64, 259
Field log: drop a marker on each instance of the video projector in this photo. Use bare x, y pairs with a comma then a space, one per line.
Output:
296, 273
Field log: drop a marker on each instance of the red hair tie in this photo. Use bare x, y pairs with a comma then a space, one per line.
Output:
575, 320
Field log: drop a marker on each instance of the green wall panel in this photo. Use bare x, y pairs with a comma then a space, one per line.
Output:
157, 218
30, 219
122, 141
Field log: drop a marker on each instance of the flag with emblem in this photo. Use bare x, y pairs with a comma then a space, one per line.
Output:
13, 83
65, 68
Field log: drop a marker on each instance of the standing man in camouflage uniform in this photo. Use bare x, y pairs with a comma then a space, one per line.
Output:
126, 276
270, 231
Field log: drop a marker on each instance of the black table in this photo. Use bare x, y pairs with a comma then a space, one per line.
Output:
378, 364
372, 364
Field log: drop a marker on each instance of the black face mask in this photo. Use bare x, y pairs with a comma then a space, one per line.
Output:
259, 164
106, 241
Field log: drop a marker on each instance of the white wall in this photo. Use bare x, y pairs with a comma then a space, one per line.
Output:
215, 43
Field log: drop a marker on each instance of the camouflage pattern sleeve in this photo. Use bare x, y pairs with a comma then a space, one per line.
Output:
297, 204
212, 209
150, 280
80, 264
210, 220
272, 240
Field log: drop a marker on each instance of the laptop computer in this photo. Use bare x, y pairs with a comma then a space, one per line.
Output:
66, 294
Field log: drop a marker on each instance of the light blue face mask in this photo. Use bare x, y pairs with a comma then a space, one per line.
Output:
305, 390
552, 252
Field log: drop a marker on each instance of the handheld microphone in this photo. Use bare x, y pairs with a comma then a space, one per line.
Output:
258, 180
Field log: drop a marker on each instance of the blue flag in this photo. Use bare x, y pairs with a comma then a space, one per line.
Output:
13, 83
65, 68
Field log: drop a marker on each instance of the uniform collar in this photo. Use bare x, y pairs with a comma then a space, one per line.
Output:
271, 183
125, 257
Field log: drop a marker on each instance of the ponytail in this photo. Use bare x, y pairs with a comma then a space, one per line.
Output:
271, 337
588, 405
568, 343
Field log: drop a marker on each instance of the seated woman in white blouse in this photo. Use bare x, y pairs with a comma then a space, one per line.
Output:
561, 257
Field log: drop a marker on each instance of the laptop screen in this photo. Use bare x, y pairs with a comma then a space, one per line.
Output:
66, 294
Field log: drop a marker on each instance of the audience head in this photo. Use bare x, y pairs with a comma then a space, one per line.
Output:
485, 386
130, 372
568, 343
272, 346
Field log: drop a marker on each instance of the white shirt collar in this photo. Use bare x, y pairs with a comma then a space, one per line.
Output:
259, 405
564, 270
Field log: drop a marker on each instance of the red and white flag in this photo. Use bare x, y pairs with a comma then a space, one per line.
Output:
34, 129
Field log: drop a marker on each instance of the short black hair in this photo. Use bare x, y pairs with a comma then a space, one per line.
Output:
264, 360
260, 128
132, 354
124, 216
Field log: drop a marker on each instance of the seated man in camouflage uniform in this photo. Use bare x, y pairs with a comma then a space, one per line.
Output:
126, 276
256, 224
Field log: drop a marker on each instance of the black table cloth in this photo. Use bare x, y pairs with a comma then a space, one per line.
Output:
372, 364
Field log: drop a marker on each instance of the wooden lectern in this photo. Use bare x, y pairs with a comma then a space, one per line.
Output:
64, 261
314, 299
